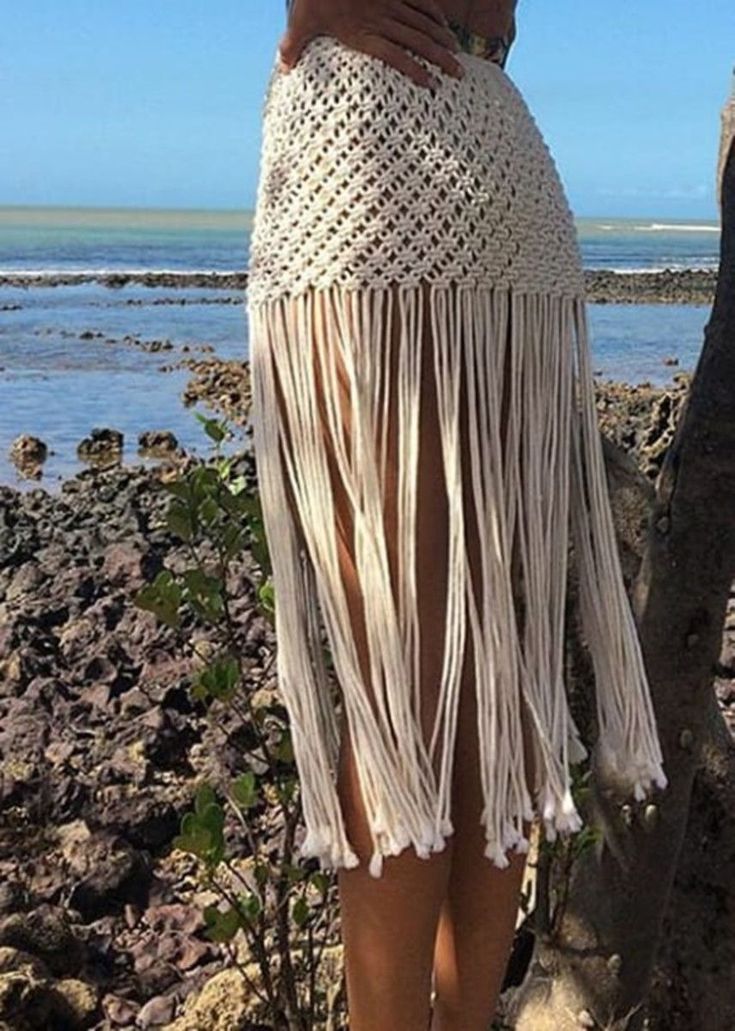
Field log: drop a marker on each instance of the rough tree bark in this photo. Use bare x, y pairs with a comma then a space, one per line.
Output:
597, 970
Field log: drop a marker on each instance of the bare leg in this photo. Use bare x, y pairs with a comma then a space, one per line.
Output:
477, 921
478, 917
389, 923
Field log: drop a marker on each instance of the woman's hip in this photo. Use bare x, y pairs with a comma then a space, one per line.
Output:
367, 178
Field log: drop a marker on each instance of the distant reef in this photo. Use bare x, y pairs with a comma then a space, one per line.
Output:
604, 286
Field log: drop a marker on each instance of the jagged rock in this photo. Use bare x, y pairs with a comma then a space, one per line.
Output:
81, 998
225, 1003
157, 442
101, 443
107, 872
47, 934
157, 1012
121, 1012
28, 450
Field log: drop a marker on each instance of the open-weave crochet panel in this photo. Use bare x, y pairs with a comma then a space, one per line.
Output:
369, 179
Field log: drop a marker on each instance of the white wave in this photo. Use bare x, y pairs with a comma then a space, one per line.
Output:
117, 271
675, 227
640, 270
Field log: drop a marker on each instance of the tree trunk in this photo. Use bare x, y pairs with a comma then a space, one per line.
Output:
597, 969
693, 985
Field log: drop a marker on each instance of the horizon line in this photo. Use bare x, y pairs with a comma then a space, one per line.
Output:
244, 211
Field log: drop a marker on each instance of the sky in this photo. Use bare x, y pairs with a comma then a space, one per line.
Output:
150, 103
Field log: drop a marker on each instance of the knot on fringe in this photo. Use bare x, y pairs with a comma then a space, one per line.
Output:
627, 774
319, 843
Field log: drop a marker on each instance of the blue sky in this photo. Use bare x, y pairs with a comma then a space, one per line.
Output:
154, 103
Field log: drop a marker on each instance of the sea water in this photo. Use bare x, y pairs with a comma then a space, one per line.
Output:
58, 382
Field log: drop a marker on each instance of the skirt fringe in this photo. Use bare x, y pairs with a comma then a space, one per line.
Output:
533, 480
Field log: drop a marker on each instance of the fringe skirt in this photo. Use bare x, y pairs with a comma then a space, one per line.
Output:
380, 202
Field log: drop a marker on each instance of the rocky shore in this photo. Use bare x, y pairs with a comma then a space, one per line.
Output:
101, 747
102, 743
670, 286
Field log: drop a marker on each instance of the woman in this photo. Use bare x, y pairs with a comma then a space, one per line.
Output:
425, 443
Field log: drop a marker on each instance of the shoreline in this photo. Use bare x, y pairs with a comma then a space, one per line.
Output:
604, 286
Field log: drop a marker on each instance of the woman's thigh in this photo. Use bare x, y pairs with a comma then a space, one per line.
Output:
431, 513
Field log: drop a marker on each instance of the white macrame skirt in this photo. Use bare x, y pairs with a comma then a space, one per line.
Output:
376, 192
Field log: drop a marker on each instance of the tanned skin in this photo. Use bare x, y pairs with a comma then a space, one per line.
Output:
384, 27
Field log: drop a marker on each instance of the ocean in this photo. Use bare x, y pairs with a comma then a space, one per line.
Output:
71, 357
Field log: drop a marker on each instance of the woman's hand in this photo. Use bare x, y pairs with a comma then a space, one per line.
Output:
382, 28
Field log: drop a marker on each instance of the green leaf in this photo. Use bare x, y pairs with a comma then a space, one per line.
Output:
205, 796
220, 679
204, 480
285, 790
179, 488
202, 829
250, 505
161, 597
209, 511
284, 748
233, 539
300, 911
261, 874
320, 881
245, 789
205, 593
250, 906
238, 484
180, 520
221, 926
214, 428
293, 872
266, 596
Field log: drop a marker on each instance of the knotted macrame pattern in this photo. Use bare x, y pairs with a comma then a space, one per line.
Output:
373, 193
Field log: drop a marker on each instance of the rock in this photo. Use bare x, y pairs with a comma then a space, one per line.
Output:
108, 872
225, 1003
18, 960
30, 1004
27, 579
128, 565
174, 916
120, 1011
12, 897
223, 385
154, 962
146, 817
681, 286
157, 1012
97, 724
157, 442
30, 999
46, 933
81, 998
102, 443
28, 450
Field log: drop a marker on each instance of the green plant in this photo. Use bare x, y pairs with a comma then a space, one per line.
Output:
557, 858
283, 908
